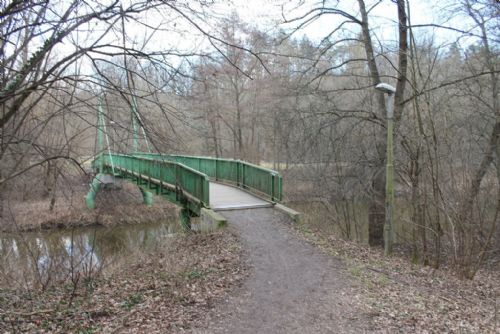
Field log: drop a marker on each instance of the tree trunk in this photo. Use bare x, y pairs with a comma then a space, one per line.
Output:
1, 197
376, 207
494, 141
475, 184
376, 210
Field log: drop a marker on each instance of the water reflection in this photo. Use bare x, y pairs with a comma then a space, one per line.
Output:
61, 253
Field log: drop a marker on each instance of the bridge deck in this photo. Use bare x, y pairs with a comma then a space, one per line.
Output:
223, 197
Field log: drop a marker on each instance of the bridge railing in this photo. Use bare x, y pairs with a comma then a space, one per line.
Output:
263, 181
170, 173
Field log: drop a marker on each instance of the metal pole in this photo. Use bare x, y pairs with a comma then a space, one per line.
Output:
135, 135
100, 135
107, 141
139, 120
389, 171
389, 179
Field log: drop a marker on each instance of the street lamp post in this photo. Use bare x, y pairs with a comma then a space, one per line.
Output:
389, 169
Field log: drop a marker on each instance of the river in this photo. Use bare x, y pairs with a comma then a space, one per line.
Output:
59, 254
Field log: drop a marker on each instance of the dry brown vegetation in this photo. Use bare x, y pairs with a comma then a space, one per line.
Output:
407, 297
306, 107
165, 290
119, 204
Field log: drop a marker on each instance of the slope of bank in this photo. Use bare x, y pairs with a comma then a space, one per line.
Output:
115, 205
402, 297
165, 290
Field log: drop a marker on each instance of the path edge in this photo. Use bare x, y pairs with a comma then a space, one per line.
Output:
294, 215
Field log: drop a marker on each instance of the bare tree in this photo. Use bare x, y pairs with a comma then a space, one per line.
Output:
373, 77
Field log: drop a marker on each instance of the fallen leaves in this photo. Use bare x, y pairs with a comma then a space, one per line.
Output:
402, 297
162, 291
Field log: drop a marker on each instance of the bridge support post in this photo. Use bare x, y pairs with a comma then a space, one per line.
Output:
94, 188
185, 218
210, 221
147, 197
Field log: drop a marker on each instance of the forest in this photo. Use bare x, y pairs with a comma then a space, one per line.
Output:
202, 78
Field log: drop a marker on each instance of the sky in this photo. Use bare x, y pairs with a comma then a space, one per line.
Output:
269, 15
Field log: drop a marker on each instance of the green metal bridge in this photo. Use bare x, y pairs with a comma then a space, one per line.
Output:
197, 184
194, 183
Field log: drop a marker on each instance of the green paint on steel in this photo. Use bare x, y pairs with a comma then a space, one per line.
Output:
174, 181
147, 197
389, 184
137, 118
135, 134
94, 188
261, 181
184, 180
100, 135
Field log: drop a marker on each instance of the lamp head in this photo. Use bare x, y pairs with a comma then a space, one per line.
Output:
385, 88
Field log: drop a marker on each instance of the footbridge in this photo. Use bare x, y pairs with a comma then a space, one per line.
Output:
199, 185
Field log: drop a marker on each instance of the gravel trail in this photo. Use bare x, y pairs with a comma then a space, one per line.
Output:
292, 288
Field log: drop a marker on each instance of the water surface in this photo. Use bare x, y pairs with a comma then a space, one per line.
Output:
61, 253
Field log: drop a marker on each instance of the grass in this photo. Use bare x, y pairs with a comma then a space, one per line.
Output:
408, 297
335, 218
88, 330
195, 274
355, 270
132, 300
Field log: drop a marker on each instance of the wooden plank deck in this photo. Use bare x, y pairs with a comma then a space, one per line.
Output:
223, 197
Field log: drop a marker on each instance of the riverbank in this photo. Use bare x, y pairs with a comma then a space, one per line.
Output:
116, 205
403, 297
165, 290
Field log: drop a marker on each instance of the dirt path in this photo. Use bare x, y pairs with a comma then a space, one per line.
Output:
292, 288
